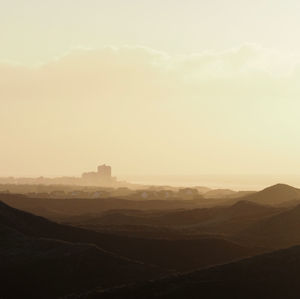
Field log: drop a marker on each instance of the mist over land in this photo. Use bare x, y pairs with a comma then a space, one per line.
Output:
149, 149
236, 182
119, 242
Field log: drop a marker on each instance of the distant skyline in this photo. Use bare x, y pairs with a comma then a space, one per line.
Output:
149, 87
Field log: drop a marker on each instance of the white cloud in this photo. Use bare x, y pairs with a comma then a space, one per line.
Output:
141, 73
229, 106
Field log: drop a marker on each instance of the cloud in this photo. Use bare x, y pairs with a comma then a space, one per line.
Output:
202, 111
140, 73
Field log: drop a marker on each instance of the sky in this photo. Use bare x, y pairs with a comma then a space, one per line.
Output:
149, 87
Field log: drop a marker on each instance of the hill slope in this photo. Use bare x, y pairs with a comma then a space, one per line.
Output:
216, 220
274, 275
275, 195
278, 231
58, 209
34, 267
181, 254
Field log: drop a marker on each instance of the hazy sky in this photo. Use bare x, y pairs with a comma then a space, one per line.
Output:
150, 87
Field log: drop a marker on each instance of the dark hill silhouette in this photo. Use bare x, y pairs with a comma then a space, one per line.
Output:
274, 275
181, 254
145, 231
59, 209
216, 220
46, 268
274, 195
278, 231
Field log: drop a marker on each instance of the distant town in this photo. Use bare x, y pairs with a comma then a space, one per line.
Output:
102, 177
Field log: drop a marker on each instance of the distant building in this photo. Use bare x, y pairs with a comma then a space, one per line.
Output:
104, 171
101, 177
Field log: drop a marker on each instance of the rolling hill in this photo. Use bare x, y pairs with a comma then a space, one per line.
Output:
182, 254
274, 275
275, 195
215, 220
36, 267
59, 209
279, 231
47, 268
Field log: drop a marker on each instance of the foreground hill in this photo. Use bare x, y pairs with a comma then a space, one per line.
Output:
183, 254
47, 268
274, 275
279, 231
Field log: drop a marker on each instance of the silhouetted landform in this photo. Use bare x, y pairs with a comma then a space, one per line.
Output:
59, 209
45, 200
37, 267
45, 268
279, 194
224, 220
279, 231
72, 191
141, 231
111, 246
134, 191
184, 254
274, 275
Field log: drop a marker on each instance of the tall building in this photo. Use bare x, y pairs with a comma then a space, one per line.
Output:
101, 177
104, 171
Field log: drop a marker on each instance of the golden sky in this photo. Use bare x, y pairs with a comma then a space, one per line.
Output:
150, 87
